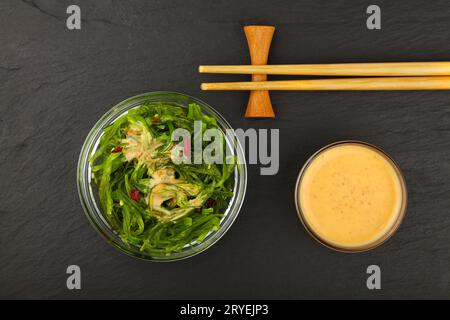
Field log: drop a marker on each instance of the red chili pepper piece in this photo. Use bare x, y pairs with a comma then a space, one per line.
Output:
117, 149
187, 147
156, 120
134, 195
210, 202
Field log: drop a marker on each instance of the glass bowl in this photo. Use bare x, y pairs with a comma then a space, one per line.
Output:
88, 192
388, 234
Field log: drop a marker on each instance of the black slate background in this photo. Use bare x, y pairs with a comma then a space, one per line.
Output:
56, 83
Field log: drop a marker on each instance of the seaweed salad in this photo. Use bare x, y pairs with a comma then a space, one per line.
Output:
150, 201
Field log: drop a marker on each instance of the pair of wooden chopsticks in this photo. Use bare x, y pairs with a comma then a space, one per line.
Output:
385, 76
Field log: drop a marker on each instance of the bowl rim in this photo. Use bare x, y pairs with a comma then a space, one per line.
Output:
385, 237
93, 214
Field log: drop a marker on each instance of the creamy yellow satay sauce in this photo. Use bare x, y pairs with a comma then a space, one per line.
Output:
350, 195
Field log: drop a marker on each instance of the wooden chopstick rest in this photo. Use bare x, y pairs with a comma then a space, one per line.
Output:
259, 39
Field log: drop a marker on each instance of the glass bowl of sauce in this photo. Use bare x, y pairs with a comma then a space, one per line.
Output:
351, 196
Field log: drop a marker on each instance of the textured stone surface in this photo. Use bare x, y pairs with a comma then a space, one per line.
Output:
55, 84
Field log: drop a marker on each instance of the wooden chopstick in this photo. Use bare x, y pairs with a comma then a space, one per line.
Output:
388, 83
345, 69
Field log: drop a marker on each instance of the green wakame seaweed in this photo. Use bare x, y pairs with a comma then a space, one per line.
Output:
149, 201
